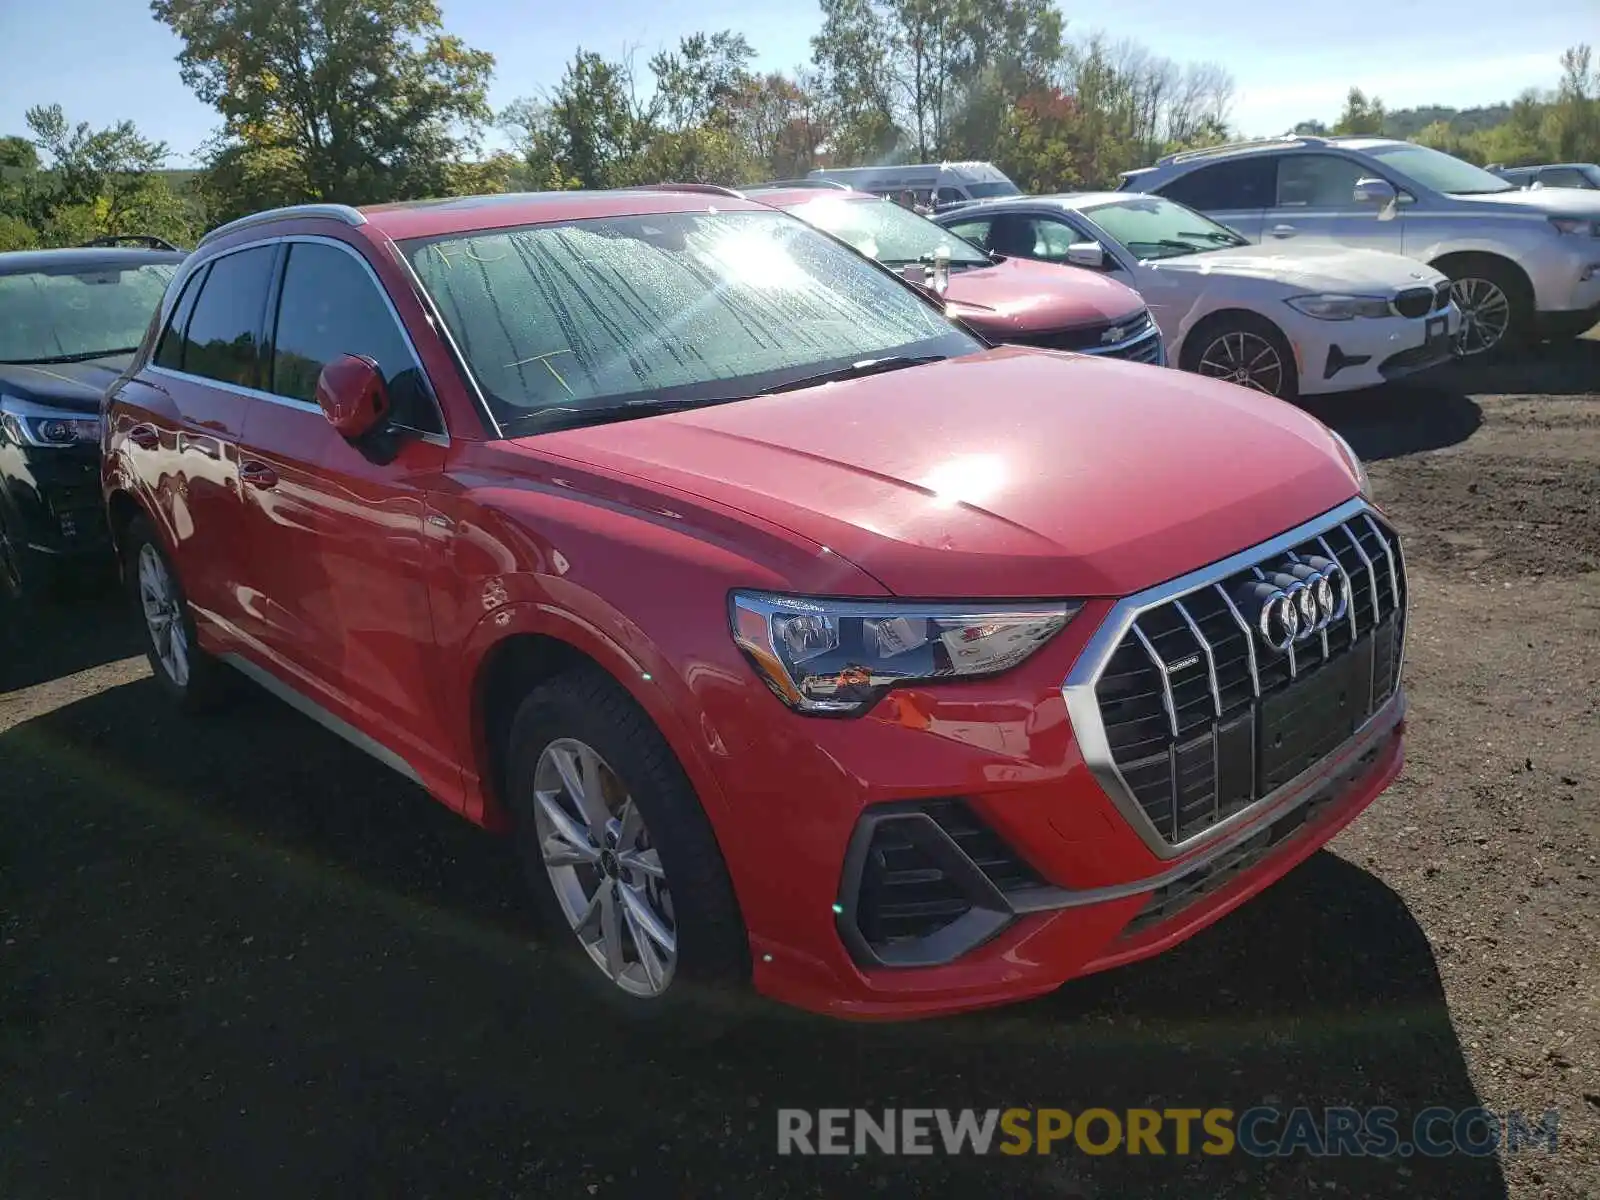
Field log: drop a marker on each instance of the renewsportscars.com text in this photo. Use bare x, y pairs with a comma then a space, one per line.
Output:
1261, 1131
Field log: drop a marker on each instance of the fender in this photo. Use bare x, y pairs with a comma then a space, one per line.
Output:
638, 666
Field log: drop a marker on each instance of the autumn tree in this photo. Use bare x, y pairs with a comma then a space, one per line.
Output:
345, 100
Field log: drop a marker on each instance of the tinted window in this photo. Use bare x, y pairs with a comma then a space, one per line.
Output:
677, 306
949, 195
1563, 177
222, 340
1317, 181
330, 306
1243, 183
169, 351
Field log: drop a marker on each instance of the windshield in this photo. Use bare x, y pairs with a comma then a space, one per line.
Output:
983, 191
885, 231
1150, 227
665, 309
1439, 171
78, 311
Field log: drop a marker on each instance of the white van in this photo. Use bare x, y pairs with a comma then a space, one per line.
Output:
935, 185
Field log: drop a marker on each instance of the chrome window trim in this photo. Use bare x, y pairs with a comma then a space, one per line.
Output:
338, 212
1083, 708
433, 437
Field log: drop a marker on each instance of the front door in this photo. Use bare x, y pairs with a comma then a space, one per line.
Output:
337, 534
1314, 205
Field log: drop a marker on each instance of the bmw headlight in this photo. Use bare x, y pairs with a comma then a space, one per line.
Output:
1332, 306
1363, 484
35, 425
840, 656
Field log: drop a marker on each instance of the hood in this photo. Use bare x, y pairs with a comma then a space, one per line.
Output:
1322, 268
1554, 202
73, 386
1017, 296
1010, 473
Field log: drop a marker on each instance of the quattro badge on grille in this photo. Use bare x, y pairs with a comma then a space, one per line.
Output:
1294, 601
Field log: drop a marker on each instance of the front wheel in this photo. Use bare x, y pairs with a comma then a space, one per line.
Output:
1496, 310
619, 854
1246, 350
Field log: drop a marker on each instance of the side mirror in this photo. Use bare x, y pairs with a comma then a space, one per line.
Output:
1379, 193
351, 394
1087, 254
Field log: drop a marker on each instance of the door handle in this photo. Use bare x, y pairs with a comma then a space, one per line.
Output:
200, 445
258, 475
1283, 231
144, 436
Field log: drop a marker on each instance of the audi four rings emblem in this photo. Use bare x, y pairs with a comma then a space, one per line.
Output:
1295, 601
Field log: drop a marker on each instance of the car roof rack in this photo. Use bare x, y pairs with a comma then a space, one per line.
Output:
147, 240
709, 189
1287, 139
337, 212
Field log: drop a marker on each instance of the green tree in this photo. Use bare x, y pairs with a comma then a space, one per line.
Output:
18, 153
850, 52
1360, 115
348, 100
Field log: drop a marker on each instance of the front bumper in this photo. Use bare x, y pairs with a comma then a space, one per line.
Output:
1338, 356
52, 499
999, 798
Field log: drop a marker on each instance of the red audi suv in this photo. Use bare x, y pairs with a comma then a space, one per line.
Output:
796, 635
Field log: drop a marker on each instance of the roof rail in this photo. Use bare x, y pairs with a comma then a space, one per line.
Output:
148, 241
337, 212
825, 184
1287, 139
710, 189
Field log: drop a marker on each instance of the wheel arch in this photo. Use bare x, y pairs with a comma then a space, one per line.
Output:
1512, 268
1189, 351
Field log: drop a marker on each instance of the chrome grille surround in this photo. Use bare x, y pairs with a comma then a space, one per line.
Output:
1083, 702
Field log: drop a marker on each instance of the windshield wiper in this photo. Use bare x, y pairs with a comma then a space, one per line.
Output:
1227, 239
568, 416
855, 370
57, 359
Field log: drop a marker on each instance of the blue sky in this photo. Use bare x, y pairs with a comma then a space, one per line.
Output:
105, 60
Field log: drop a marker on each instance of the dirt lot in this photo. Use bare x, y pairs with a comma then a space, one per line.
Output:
238, 959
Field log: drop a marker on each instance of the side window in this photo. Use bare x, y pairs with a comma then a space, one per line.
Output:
1562, 177
222, 341
169, 350
976, 232
950, 195
330, 306
1317, 181
1015, 236
1052, 239
1242, 183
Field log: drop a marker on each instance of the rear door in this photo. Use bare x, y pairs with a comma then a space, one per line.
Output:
1235, 193
337, 535
1314, 204
209, 363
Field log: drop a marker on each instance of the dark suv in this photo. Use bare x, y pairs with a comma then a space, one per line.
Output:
69, 323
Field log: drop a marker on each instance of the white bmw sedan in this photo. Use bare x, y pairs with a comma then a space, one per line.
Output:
1288, 321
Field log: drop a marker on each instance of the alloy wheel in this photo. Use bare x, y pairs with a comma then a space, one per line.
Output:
1485, 315
163, 615
604, 869
1246, 359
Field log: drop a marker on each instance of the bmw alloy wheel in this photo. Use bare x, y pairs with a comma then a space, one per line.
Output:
1246, 359
163, 615
604, 869
1485, 315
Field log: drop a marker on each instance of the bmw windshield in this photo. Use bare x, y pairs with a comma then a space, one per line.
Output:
638, 315
1151, 227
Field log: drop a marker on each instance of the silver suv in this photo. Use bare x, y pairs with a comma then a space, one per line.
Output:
1524, 263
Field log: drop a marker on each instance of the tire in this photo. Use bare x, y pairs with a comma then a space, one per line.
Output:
200, 685
1213, 349
1493, 296
586, 710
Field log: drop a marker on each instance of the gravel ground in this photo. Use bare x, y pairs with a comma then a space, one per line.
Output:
237, 958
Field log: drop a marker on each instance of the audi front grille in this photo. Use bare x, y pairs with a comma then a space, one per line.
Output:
1194, 704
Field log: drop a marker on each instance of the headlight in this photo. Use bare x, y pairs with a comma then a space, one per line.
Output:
1335, 307
839, 656
35, 425
1577, 226
1364, 485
